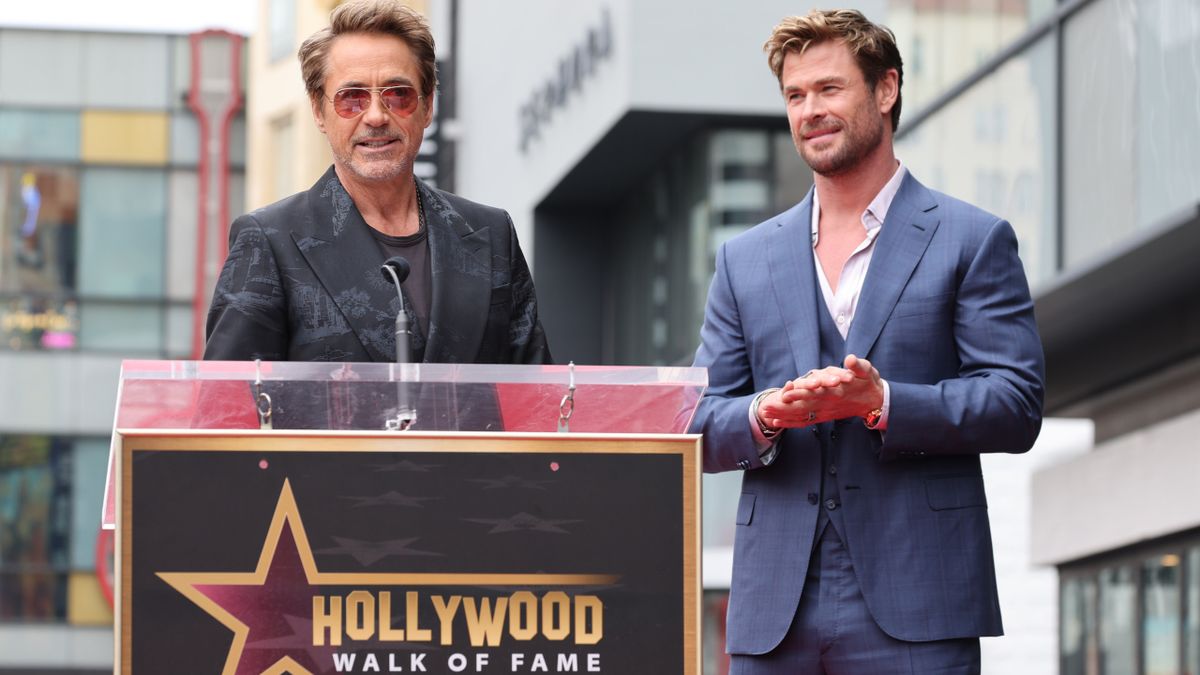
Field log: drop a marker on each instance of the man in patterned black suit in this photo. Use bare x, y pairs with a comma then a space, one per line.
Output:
302, 279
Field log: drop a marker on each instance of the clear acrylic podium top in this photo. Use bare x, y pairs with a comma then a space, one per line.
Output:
228, 395
445, 397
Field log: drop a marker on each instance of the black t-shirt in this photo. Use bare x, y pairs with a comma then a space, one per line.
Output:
418, 287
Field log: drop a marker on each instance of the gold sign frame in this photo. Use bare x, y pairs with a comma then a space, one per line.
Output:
686, 447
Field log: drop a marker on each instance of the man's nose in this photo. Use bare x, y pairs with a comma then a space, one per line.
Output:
376, 114
812, 109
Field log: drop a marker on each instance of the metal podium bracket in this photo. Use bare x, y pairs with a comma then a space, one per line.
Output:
566, 407
262, 400
406, 414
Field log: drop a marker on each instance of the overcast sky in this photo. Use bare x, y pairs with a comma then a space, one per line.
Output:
166, 16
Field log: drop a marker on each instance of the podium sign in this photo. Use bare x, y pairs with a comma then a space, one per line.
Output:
353, 551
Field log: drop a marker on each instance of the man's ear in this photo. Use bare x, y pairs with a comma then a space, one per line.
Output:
887, 89
318, 111
429, 111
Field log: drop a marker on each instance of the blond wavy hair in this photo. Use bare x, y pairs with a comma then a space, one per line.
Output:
873, 45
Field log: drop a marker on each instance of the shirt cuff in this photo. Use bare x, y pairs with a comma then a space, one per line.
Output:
766, 446
887, 406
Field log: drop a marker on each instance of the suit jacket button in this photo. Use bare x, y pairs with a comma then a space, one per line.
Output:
743, 464
831, 504
812, 498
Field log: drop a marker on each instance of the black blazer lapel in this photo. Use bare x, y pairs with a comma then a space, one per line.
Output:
791, 267
461, 258
911, 221
338, 246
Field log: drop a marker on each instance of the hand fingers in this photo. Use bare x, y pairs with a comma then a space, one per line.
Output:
860, 367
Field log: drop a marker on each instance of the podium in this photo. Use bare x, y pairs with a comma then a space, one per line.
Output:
273, 518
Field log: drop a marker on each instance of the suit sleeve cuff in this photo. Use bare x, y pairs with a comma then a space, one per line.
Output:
767, 446
887, 407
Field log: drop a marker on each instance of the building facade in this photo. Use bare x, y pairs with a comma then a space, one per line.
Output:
102, 173
633, 139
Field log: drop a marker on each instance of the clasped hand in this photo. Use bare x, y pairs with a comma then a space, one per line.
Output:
830, 393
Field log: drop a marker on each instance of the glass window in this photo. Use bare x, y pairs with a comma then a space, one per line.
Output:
1160, 615
35, 505
1168, 107
41, 69
1191, 631
994, 146
943, 41
185, 139
124, 71
89, 469
1077, 627
282, 29
181, 73
131, 329
179, 331
38, 322
181, 235
39, 135
116, 137
1099, 97
39, 208
1118, 621
123, 231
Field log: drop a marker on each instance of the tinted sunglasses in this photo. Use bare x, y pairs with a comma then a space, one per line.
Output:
399, 99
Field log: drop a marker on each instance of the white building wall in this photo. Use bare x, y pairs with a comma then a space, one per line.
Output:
1133, 488
1028, 591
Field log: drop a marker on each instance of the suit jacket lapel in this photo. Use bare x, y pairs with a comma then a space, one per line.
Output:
790, 261
907, 230
338, 246
460, 255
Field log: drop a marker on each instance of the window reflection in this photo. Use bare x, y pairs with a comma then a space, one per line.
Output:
1077, 627
945, 40
34, 521
39, 208
1118, 621
994, 146
1160, 607
1191, 633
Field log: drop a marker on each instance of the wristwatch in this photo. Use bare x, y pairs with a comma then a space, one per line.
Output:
769, 432
871, 420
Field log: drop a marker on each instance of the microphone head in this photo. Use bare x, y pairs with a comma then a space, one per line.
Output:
399, 265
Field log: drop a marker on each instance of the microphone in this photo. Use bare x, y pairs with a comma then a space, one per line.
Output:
396, 269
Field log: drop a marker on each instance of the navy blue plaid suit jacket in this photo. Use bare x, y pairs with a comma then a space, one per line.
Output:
946, 316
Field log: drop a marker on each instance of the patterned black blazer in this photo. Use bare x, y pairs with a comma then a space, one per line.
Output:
302, 283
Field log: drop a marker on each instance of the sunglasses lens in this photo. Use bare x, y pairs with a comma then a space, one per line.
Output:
351, 102
400, 100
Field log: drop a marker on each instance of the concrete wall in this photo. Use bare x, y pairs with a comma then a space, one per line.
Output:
1133, 488
669, 55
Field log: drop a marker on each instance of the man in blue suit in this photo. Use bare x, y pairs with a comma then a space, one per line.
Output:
863, 543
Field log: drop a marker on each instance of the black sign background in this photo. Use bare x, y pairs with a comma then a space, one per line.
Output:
489, 512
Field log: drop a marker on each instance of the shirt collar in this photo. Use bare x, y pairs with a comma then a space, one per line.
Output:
877, 210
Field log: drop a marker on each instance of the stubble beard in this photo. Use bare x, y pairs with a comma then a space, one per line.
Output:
381, 169
857, 143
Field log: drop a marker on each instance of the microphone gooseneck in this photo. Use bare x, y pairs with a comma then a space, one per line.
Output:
397, 269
